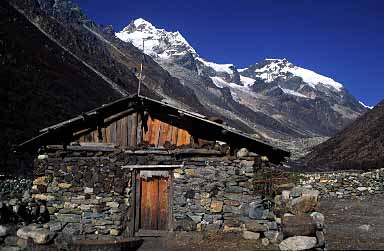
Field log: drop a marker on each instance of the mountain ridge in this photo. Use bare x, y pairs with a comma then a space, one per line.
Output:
299, 89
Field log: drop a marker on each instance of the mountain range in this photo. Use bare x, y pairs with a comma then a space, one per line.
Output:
360, 146
281, 100
84, 65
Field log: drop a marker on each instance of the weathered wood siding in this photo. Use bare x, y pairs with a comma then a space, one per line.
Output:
128, 132
154, 204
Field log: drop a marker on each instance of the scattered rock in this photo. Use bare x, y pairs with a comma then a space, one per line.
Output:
248, 235
364, 227
3, 230
318, 217
298, 225
88, 190
38, 235
320, 238
65, 185
254, 226
10, 248
298, 243
362, 189
114, 232
11, 240
243, 152
256, 212
265, 242
306, 203
216, 206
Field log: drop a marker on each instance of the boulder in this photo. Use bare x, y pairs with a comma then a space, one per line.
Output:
318, 217
265, 242
298, 243
364, 228
3, 231
248, 235
72, 229
11, 240
254, 226
320, 238
256, 212
243, 152
38, 235
298, 225
306, 203
216, 206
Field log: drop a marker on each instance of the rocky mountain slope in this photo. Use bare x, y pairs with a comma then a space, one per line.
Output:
359, 146
289, 101
41, 83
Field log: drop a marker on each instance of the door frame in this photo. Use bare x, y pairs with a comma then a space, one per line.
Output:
136, 199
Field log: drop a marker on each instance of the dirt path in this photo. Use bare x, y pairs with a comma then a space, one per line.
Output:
203, 242
353, 224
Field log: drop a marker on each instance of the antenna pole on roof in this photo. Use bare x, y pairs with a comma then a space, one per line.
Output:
141, 71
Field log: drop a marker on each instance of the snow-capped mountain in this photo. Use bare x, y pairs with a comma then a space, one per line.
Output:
273, 96
172, 46
158, 42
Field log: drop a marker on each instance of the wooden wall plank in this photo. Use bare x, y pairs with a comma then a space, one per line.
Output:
139, 132
124, 132
183, 137
175, 131
118, 133
113, 132
147, 134
129, 128
154, 132
144, 205
164, 132
163, 203
108, 135
134, 130
149, 204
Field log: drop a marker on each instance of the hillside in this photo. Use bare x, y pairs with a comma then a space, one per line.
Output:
359, 146
41, 83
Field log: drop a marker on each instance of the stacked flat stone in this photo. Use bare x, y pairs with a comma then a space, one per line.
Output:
86, 193
344, 184
302, 228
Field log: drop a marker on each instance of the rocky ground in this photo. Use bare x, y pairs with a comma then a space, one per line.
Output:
210, 242
354, 224
351, 224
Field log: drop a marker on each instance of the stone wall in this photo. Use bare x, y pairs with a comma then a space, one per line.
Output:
86, 193
217, 194
345, 184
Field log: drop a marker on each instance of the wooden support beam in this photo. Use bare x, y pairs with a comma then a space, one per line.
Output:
131, 167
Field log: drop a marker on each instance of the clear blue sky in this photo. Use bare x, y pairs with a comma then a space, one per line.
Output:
342, 39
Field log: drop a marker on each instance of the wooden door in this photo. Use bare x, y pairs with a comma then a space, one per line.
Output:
154, 203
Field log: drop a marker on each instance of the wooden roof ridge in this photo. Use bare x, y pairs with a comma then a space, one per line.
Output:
197, 124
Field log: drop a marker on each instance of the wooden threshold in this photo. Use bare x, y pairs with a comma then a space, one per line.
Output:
151, 233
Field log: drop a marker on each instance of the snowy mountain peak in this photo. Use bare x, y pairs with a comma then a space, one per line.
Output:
270, 70
142, 22
159, 43
172, 46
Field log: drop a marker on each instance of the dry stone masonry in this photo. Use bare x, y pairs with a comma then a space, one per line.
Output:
345, 184
87, 194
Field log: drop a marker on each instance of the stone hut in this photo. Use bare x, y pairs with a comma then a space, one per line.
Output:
140, 167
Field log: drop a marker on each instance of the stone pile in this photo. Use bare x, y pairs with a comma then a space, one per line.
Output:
344, 184
301, 226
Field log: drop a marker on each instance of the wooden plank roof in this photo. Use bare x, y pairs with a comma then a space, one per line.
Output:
196, 124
